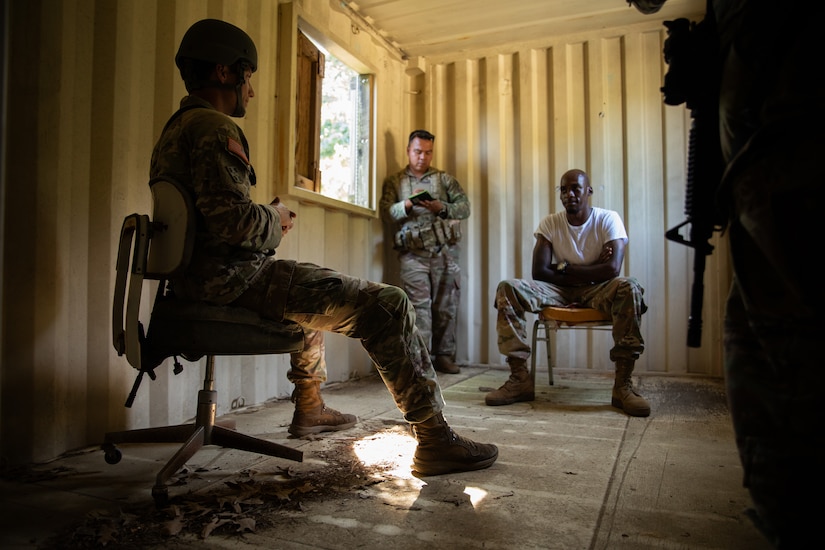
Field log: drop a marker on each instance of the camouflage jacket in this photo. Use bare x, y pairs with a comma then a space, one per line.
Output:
207, 152
442, 186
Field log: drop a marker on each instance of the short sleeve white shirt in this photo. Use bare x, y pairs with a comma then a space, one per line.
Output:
581, 244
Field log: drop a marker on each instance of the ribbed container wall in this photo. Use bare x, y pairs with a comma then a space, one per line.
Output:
509, 123
91, 84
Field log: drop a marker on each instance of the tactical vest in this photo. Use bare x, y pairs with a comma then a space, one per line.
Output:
428, 237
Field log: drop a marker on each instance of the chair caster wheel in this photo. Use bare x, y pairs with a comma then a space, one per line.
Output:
112, 455
161, 496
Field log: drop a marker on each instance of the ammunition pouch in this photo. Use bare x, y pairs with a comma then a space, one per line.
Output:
427, 237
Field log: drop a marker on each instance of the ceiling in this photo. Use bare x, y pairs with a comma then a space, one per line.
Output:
442, 28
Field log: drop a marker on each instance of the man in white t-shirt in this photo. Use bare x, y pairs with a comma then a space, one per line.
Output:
577, 260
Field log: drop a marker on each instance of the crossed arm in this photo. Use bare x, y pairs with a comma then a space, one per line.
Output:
608, 266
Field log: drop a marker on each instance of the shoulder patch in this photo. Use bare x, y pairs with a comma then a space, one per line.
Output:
237, 174
236, 149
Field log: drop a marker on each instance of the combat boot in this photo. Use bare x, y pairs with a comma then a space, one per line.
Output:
312, 416
441, 451
519, 387
445, 364
625, 396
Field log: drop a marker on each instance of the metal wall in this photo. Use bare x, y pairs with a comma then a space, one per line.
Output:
509, 123
91, 83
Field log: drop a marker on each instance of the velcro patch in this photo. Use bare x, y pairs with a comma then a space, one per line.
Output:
237, 174
237, 149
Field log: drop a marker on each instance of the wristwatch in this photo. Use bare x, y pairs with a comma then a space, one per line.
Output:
562, 267
443, 213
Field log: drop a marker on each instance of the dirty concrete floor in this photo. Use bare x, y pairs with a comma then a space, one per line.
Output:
572, 473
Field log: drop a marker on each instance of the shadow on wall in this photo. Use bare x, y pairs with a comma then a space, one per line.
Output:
392, 269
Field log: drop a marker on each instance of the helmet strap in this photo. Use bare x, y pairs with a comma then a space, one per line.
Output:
240, 110
240, 70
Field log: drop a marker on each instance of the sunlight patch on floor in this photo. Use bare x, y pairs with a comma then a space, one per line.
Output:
476, 495
392, 449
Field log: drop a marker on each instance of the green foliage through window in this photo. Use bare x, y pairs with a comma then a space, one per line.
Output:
345, 136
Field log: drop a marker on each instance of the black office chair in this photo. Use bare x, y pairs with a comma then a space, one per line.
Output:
157, 249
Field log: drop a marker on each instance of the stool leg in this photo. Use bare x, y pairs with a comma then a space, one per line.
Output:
545, 337
533, 355
549, 351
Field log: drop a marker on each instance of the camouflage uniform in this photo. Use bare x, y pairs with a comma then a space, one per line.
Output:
234, 262
774, 190
621, 296
429, 251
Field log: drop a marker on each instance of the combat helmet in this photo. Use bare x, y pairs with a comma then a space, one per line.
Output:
211, 42
217, 41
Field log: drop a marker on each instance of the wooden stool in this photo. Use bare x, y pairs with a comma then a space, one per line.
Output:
555, 318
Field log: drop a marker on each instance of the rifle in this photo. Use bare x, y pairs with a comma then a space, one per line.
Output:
692, 52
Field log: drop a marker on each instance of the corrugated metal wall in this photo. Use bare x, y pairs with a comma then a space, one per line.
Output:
91, 83
508, 124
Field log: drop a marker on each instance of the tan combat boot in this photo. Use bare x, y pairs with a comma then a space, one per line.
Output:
445, 364
441, 451
311, 415
625, 396
519, 387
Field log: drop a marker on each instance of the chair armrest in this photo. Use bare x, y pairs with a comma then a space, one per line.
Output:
127, 232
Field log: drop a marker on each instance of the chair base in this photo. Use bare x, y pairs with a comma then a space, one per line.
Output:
551, 319
204, 431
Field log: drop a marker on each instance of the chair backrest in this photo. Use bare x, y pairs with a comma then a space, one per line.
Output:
149, 249
173, 236
158, 249
131, 265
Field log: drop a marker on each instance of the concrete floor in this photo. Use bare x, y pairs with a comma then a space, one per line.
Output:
572, 473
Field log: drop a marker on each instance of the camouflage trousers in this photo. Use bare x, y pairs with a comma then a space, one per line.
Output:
621, 296
774, 368
433, 285
379, 315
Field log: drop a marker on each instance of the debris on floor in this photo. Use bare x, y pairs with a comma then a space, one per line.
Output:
251, 501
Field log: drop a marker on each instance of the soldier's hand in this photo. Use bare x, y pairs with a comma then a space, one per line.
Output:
606, 254
435, 206
285, 214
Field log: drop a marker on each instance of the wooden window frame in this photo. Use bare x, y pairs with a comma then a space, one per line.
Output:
309, 86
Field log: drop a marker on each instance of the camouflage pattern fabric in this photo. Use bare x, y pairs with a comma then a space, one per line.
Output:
774, 190
378, 314
442, 186
233, 262
430, 272
208, 153
433, 285
621, 296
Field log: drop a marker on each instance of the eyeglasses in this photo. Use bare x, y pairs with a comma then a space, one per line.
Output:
565, 189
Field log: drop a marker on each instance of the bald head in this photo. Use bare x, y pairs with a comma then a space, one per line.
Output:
575, 176
574, 193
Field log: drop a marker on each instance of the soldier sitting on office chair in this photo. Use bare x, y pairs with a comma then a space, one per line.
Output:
577, 260
234, 261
